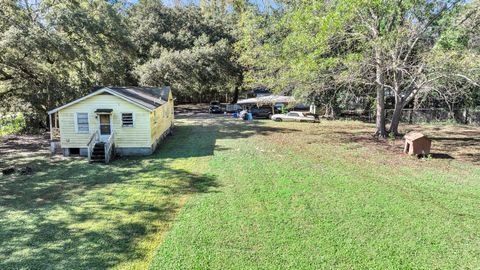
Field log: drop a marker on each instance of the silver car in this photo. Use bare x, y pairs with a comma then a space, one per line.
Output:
293, 117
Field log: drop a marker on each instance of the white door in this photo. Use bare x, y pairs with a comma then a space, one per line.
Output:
105, 126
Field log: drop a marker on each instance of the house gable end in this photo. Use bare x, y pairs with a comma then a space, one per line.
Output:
105, 90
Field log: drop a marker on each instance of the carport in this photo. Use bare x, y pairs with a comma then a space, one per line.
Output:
267, 100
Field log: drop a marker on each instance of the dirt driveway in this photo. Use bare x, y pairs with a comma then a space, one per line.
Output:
18, 150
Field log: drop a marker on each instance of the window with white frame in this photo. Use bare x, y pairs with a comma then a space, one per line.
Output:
82, 122
127, 119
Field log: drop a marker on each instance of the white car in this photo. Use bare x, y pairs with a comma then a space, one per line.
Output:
293, 116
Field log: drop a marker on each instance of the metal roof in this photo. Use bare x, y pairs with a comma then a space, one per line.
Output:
268, 100
148, 98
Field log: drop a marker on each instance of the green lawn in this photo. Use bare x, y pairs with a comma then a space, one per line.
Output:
296, 196
224, 194
75, 215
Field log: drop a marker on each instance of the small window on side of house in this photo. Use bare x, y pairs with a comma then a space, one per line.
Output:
82, 122
127, 119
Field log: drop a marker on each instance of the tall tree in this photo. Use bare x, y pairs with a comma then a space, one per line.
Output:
186, 48
329, 47
52, 52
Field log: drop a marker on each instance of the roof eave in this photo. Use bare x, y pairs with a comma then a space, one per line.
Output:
127, 99
77, 100
99, 91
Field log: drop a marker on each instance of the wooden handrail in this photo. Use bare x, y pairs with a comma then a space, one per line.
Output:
91, 143
93, 136
109, 147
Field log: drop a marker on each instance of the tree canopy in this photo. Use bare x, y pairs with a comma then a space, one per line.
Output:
383, 53
327, 51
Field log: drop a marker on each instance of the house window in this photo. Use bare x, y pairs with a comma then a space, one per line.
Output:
82, 122
127, 119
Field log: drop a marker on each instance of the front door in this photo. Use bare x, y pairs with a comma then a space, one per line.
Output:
105, 127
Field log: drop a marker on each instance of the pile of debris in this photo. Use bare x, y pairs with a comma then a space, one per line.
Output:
23, 171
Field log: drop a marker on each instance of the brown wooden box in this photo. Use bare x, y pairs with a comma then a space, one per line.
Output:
417, 144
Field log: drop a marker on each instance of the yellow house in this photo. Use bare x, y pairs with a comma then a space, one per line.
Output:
113, 120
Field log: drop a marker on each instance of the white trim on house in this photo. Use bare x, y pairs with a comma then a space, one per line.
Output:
99, 91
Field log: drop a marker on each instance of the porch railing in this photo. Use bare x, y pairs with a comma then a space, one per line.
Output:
109, 146
91, 143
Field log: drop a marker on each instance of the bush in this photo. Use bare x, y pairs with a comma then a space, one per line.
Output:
12, 123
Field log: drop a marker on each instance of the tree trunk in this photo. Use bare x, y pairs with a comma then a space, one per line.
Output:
397, 115
235, 94
380, 119
237, 88
329, 111
465, 116
451, 112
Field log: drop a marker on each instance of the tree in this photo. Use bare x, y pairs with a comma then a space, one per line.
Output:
184, 48
399, 37
328, 48
197, 73
52, 52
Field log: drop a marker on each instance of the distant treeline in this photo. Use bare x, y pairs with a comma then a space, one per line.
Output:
403, 54
52, 52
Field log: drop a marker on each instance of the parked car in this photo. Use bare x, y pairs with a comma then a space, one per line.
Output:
263, 112
294, 116
215, 109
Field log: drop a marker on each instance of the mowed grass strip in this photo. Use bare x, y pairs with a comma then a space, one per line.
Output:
289, 198
75, 215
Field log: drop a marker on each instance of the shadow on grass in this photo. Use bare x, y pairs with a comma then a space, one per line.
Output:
75, 215
462, 139
42, 215
441, 156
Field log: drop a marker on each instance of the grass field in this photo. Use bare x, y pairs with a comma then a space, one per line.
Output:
224, 194
297, 196
75, 215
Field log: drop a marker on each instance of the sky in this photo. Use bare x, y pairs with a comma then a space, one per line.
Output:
260, 3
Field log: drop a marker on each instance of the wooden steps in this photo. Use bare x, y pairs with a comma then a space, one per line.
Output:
98, 153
